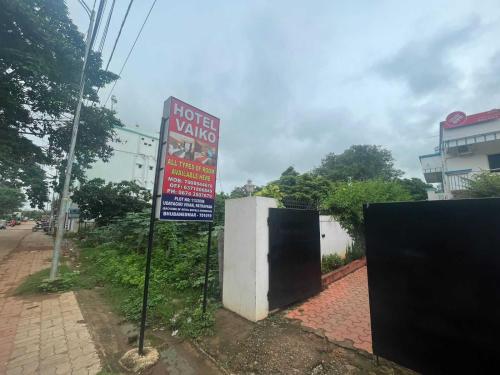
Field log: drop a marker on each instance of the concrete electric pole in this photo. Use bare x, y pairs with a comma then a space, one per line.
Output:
71, 155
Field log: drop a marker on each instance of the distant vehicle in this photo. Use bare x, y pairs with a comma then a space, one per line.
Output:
3, 224
12, 222
41, 225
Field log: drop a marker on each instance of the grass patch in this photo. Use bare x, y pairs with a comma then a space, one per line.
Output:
35, 283
120, 275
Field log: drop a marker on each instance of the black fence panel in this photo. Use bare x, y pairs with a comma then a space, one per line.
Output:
294, 256
434, 284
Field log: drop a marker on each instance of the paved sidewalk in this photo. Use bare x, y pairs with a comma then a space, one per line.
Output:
42, 334
341, 310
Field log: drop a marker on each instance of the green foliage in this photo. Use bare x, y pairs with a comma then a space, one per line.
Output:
307, 189
11, 199
33, 214
331, 262
346, 200
219, 210
416, 187
39, 282
112, 256
483, 185
103, 202
240, 192
271, 191
354, 251
41, 57
360, 163
63, 282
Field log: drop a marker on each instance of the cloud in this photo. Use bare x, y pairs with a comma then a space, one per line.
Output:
487, 80
425, 65
275, 75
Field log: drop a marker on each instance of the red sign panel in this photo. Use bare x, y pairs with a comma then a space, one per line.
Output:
190, 166
458, 119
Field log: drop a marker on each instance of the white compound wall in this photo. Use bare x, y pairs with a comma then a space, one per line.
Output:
246, 245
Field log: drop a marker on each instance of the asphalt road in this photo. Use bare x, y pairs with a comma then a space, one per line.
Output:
11, 237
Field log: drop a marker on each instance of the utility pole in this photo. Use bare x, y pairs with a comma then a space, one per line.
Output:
71, 155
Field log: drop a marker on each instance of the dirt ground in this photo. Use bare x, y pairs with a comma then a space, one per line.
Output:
273, 346
278, 346
112, 335
11, 237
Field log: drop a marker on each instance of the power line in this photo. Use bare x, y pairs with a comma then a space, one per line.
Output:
106, 27
131, 48
100, 11
119, 33
85, 6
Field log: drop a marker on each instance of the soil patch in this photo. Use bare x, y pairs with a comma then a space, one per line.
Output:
277, 346
113, 337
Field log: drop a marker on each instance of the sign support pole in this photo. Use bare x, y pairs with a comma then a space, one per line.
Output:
207, 266
152, 220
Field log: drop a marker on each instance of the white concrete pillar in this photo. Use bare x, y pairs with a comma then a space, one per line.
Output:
246, 245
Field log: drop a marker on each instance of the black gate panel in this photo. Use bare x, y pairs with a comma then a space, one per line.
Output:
294, 256
434, 284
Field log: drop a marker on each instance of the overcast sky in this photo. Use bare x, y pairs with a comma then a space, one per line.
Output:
292, 81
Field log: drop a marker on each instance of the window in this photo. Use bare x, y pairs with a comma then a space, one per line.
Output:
494, 162
150, 168
139, 165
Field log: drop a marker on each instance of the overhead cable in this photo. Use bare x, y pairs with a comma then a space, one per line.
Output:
131, 49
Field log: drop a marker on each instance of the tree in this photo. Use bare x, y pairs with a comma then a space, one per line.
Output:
219, 208
41, 56
416, 187
240, 192
305, 189
271, 191
345, 202
103, 202
11, 200
483, 185
293, 188
359, 163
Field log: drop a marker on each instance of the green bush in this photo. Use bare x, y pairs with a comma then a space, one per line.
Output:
353, 252
331, 262
482, 185
345, 202
114, 256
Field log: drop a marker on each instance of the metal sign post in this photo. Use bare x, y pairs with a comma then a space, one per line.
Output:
151, 237
207, 266
186, 170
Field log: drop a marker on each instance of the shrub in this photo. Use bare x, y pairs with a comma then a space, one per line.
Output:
353, 252
331, 262
346, 201
483, 185
113, 256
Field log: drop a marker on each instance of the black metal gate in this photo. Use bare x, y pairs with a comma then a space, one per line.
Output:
434, 284
294, 256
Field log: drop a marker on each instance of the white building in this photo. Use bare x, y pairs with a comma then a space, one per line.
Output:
134, 158
468, 144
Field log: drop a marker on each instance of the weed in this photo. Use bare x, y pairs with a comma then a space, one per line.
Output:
39, 282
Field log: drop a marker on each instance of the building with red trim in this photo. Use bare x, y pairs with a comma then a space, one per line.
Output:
468, 144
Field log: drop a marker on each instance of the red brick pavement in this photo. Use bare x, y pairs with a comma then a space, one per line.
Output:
12, 272
341, 310
44, 334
